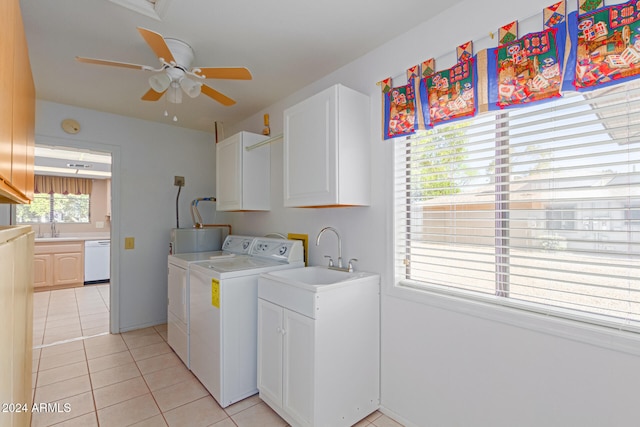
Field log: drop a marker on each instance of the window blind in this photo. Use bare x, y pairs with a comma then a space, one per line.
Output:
536, 207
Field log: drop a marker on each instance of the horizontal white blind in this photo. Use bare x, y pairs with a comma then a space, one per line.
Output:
538, 205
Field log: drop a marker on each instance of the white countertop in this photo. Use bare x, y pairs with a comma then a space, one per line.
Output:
74, 237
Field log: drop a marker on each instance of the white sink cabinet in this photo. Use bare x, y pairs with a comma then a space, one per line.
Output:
318, 350
243, 177
327, 153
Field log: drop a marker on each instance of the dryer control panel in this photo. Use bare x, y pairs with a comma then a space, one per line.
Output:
240, 245
278, 249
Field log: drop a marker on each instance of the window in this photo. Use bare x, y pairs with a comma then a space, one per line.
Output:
62, 208
534, 207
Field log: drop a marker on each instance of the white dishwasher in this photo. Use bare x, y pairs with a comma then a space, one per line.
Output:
97, 265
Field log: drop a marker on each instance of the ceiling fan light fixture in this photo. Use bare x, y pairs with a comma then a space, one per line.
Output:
159, 82
174, 94
190, 87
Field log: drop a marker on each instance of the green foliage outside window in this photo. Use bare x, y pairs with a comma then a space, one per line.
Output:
62, 208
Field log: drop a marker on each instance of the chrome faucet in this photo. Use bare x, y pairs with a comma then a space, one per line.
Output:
339, 245
54, 232
349, 268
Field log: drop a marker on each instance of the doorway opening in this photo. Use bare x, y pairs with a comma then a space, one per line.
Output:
72, 208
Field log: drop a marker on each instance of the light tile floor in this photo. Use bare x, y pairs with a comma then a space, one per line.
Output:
133, 378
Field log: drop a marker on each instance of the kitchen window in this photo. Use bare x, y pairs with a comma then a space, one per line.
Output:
530, 208
54, 207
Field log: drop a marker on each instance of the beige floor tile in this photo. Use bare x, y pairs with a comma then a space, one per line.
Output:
94, 351
70, 321
93, 322
63, 389
140, 332
62, 359
120, 392
163, 361
179, 394
114, 375
103, 340
94, 316
227, 422
156, 421
148, 351
384, 421
258, 415
372, 416
166, 377
86, 420
62, 373
109, 361
129, 412
78, 405
142, 340
161, 328
200, 413
243, 404
55, 350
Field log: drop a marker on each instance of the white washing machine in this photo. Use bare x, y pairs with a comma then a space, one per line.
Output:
224, 316
178, 290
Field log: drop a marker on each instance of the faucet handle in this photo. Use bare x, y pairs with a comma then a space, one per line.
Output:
330, 260
351, 261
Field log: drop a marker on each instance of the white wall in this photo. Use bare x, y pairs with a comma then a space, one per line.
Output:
146, 157
455, 364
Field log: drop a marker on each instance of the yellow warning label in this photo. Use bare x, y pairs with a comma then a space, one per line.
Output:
215, 293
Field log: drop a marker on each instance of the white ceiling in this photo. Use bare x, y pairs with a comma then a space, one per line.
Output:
286, 44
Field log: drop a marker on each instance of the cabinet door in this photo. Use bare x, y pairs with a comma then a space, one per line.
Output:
270, 350
42, 270
67, 269
229, 173
310, 155
8, 17
23, 110
298, 362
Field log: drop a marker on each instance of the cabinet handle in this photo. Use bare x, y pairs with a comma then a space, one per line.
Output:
281, 330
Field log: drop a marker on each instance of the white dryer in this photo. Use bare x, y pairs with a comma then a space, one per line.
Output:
178, 290
224, 316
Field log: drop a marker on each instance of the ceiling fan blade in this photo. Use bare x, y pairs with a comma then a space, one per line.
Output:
234, 73
152, 95
212, 93
157, 44
111, 63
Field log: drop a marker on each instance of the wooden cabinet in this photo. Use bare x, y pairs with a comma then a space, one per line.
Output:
243, 177
327, 154
17, 108
58, 265
319, 352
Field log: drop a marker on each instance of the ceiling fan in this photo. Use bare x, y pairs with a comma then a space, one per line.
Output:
175, 74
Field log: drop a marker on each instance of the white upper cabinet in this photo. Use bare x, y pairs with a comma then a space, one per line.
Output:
243, 177
327, 156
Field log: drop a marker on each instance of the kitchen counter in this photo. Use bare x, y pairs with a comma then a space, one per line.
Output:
74, 237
